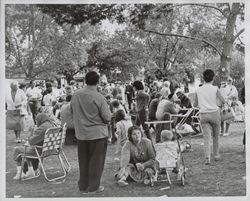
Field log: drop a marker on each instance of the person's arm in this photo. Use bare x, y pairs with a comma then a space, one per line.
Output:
195, 100
38, 135
236, 92
173, 109
125, 155
118, 130
105, 111
70, 105
151, 155
221, 98
23, 98
28, 93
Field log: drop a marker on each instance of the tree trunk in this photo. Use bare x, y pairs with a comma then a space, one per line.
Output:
31, 42
224, 70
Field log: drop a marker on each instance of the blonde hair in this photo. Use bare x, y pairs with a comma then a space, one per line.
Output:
166, 135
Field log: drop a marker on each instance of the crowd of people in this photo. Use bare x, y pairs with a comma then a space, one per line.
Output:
98, 114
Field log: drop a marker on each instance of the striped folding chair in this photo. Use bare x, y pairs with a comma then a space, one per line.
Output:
52, 146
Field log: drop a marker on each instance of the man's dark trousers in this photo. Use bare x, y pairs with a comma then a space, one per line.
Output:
33, 108
141, 118
91, 158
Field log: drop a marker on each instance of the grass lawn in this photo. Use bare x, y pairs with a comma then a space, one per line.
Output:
224, 178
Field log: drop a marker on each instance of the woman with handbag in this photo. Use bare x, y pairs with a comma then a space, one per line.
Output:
230, 94
16, 101
206, 99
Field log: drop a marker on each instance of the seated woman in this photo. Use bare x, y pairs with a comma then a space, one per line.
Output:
185, 102
165, 109
137, 159
36, 138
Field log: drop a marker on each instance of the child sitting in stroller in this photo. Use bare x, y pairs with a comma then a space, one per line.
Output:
168, 154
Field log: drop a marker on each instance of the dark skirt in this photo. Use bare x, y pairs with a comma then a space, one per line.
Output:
139, 176
14, 121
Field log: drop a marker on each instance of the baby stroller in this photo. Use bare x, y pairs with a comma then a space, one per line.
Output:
170, 158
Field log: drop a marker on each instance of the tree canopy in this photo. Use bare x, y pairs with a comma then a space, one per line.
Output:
165, 39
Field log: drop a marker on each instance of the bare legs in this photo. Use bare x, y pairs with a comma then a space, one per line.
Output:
18, 136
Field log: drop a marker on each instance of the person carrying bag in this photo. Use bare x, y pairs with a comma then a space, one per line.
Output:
227, 112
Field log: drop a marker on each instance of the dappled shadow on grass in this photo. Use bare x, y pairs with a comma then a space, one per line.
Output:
223, 178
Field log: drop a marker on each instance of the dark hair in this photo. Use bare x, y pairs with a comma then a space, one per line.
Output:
108, 96
138, 85
119, 115
157, 95
115, 103
170, 96
208, 75
22, 86
61, 99
92, 78
48, 84
68, 98
119, 97
49, 90
131, 129
185, 101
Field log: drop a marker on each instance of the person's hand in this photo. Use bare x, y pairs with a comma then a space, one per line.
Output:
27, 143
140, 166
121, 172
17, 106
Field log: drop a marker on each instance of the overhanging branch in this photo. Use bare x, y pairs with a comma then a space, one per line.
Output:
202, 5
188, 37
238, 34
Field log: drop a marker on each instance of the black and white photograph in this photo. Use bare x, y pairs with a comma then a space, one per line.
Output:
124, 99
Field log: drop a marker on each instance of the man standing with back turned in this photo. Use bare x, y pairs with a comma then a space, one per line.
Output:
90, 115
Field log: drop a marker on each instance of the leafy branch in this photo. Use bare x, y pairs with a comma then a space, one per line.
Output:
188, 37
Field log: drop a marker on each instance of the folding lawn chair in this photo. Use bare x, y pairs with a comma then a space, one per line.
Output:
52, 146
180, 119
196, 125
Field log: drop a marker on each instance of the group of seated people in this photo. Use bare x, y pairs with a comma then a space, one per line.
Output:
138, 157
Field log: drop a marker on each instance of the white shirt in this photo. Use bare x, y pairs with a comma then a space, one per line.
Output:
207, 98
55, 92
230, 91
165, 91
34, 93
20, 98
48, 99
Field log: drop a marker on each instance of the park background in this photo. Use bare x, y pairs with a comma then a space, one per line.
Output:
185, 57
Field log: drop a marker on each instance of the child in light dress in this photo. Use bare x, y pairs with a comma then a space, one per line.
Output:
123, 122
167, 151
